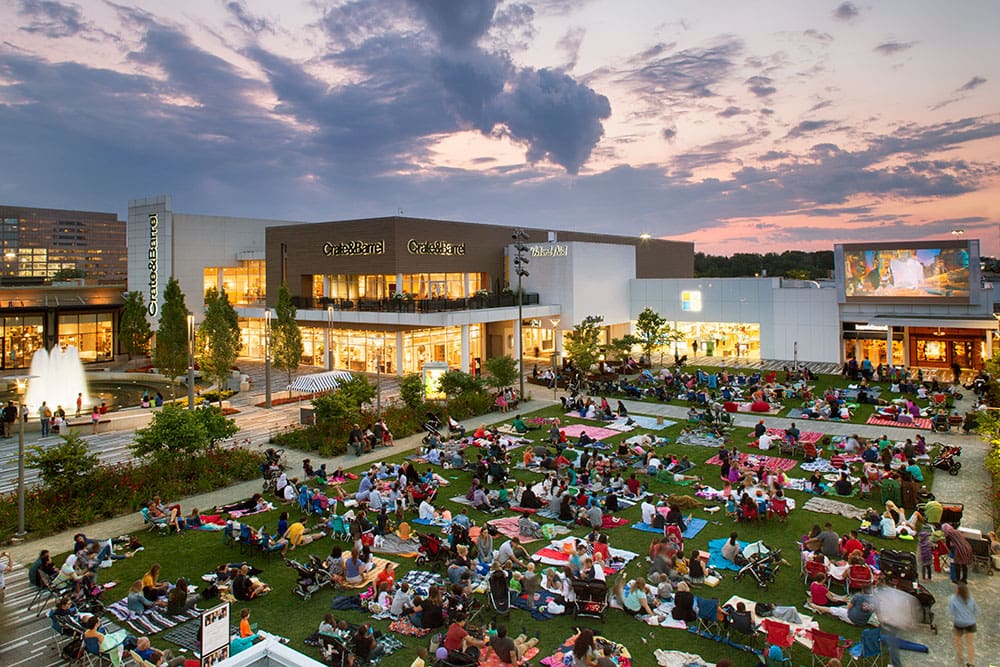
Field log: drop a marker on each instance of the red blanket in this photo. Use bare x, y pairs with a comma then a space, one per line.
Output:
770, 462
918, 422
805, 436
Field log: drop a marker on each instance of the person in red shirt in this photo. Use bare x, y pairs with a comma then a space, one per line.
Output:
852, 544
633, 485
457, 639
820, 595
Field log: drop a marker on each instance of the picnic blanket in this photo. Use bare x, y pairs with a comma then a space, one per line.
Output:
694, 526
491, 659
800, 630
391, 544
595, 432
746, 407
508, 526
553, 554
804, 436
918, 422
236, 514
824, 465
609, 521
770, 462
421, 580
666, 658
404, 626
378, 564
185, 635
564, 654
151, 621
715, 558
640, 421
829, 506
851, 393
699, 440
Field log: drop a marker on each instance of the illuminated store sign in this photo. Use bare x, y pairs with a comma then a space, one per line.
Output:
353, 248
415, 247
691, 301
551, 250
153, 267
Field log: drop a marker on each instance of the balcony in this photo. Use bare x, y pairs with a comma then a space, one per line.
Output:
395, 305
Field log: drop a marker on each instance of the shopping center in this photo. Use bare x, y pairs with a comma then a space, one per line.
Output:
394, 293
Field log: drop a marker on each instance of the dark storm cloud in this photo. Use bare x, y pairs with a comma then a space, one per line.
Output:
51, 18
690, 73
809, 126
457, 23
761, 86
846, 11
892, 48
972, 83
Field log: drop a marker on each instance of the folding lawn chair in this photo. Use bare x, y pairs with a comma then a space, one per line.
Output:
778, 634
151, 523
708, 616
859, 577
825, 646
741, 623
868, 651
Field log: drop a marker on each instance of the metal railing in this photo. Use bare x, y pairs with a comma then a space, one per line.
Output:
394, 305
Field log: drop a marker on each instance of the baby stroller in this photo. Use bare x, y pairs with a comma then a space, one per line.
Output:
432, 550
499, 593
432, 426
900, 571
947, 459
335, 653
762, 563
312, 577
591, 598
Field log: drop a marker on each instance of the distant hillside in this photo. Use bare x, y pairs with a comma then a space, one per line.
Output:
789, 264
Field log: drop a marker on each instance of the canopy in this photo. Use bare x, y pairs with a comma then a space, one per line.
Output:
318, 382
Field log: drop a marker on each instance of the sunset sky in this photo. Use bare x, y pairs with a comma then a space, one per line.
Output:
741, 126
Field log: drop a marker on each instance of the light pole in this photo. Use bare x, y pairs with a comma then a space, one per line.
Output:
22, 384
190, 323
378, 380
329, 338
520, 260
267, 358
554, 321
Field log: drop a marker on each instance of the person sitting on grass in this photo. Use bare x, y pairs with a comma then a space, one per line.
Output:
820, 595
155, 656
138, 603
152, 587
296, 534
179, 600
244, 587
858, 611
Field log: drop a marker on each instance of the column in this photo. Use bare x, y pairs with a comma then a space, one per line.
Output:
990, 349
399, 353
516, 348
464, 353
399, 282
888, 346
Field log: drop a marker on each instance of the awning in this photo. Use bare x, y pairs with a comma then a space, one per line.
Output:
905, 320
318, 382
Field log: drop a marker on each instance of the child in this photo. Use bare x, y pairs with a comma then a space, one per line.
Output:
925, 552
865, 487
731, 508
245, 629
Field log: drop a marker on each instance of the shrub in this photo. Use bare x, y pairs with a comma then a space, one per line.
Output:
176, 432
411, 391
67, 464
456, 383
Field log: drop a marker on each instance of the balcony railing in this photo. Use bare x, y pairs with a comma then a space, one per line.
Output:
394, 305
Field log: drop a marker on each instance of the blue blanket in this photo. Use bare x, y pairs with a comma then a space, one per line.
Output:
694, 527
715, 558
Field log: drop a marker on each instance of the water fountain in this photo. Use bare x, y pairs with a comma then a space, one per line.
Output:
57, 377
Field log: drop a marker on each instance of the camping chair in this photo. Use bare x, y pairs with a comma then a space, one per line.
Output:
228, 535
708, 616
158, 523
48, 591
93, 654
247, 542
778, 508
812, 568
810, 451
868, 651
339, 528
137, 659
825, 645
858, 578
741, 622
778, 634
267, 548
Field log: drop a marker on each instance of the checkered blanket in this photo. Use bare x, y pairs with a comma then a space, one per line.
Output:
150, 622
421, 580
770, 462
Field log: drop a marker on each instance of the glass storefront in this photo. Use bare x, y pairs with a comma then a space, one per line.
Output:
861, 341
244, 284
20, 337
719, 339
539, 341
92, 334
379, 286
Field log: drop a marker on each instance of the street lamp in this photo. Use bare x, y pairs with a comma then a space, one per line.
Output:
378, 378
554, 321
520, 261
329, 338
267, 358
22, 384
190, 332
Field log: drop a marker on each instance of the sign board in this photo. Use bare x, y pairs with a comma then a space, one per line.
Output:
215, 635
432, 372
153, 265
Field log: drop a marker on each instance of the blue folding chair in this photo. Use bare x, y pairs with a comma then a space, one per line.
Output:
708, 616
868, 651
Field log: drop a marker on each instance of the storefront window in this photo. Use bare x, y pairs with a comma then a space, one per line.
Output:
210, 279
421, 285
22, 336
737, 340
933, 351
91, 334
245, 284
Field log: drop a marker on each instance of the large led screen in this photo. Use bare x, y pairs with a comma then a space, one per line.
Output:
907, 273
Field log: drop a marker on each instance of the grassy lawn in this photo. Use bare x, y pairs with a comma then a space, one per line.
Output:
195, 553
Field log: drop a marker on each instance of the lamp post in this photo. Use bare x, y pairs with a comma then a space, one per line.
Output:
22, 384
520, 260
329, 338
267, 359
554, 321
378, 379
190, 323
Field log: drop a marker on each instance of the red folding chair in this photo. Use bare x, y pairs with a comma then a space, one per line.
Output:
812, 568
859, 577
778, 634
778, 508
826, 646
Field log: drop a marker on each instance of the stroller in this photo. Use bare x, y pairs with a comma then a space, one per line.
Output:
432, 550
433, 427
947, 459
312, 577
334, 651
272, 467
591, 598
900, 571
499, 593
762, 563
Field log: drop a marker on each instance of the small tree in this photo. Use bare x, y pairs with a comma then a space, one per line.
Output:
286, 338
219, 338
336, 409
583, 342
621, 348
218, 427
411, 391
67, 274
170, 354
651, 331
501, 372
133, 329
174, 433
456, 383
64, 466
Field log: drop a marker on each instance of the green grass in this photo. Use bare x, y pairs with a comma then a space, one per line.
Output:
195, 553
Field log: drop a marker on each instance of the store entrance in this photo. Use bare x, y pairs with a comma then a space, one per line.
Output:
943, 348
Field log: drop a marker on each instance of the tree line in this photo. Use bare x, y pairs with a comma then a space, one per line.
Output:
795, 264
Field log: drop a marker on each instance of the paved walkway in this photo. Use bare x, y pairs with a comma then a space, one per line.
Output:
24, 634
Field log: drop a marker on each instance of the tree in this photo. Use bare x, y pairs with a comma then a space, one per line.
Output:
286, 338
456, 383
621, 348
651, 330
344, 405
174, 433
583, 342
133, 328
501, 372
67, 274
218, 427
219, 338
170, 354
411, 391
63, 466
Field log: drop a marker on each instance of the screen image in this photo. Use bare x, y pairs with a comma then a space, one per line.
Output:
907, 272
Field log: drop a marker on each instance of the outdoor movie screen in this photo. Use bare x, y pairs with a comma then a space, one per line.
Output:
907, 272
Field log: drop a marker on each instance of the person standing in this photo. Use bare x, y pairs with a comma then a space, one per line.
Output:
79, 403
44, 418
6, 563
963, 610
9, 417
95, 419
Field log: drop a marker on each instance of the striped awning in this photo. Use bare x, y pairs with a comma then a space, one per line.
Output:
317, 382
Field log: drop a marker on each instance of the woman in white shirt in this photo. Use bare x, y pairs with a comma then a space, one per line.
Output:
648, 512
426, 511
